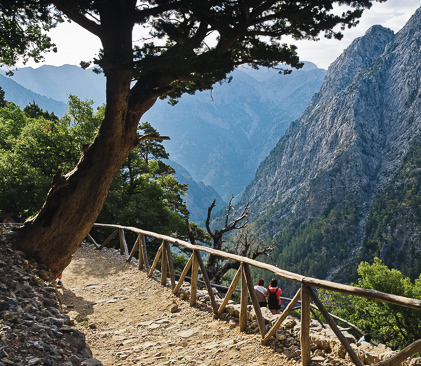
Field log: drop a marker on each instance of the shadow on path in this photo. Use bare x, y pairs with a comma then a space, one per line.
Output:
76, 303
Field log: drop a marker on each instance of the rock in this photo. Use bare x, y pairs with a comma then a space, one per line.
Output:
33, 329
280, 337
232, 324
187, 334
289, 322
173, 308
44, 274
415, 361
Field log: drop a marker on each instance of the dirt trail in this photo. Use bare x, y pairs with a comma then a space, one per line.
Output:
127, 319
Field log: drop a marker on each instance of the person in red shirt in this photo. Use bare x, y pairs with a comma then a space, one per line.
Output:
274, 300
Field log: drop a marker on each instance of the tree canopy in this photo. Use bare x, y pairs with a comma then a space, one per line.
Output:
393, 325
24, 27
193, 43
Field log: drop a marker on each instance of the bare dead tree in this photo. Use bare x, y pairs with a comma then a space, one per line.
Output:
245, 244
233, 221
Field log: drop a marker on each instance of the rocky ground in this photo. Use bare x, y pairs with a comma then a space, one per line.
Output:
33, 328
110, 313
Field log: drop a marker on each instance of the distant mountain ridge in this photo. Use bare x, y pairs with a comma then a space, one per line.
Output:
57, 82
221, 136
325, 193
199, 196
21, 96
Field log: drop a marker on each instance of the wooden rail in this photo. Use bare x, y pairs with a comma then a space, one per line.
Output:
304, 295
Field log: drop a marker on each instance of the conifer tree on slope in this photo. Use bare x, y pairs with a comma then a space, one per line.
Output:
191, 45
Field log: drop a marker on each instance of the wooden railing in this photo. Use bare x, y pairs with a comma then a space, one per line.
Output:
303, 296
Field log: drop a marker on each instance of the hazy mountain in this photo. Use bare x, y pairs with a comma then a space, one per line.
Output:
343, 184
21, 96
199, 196
220, 136
57, 82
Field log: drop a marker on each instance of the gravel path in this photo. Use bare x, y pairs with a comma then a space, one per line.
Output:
130, 319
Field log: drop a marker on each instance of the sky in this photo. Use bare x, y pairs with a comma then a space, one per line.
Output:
76, 44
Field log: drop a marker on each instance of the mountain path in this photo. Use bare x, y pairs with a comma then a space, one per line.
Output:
128, 320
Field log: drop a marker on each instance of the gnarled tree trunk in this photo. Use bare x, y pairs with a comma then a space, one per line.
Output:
75, 199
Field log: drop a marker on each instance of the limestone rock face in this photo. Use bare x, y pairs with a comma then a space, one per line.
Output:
349, 145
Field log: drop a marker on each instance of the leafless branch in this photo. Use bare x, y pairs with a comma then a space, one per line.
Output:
192, 237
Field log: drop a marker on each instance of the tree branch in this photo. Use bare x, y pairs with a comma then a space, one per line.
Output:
151, 136
235, 221
141, 14
262, 251
210, 208
72, 13
190, 232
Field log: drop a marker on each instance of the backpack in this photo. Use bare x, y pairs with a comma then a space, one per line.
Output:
273, 301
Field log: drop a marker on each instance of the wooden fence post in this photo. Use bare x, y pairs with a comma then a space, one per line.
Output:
408, 351
144, 254
107, 241
135, 245
93, 241
123, 245
155, 262
230, 291
183, 274
259, 317
305, 325
194, 275
244, 300
335, 329
141, 256
170, 264
207, 282
283, 316
164, 263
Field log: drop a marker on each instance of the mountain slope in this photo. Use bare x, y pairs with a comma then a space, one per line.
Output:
221, 136
21, 96
57, 82
199, 196
314, 193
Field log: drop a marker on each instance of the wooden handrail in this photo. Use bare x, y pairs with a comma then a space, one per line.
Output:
309, 281
306, 293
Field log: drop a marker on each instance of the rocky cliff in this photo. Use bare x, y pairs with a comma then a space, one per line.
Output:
314, 194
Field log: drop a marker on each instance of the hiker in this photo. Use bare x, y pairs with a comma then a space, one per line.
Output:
274, 301
365, 338
59, 282
261, 293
